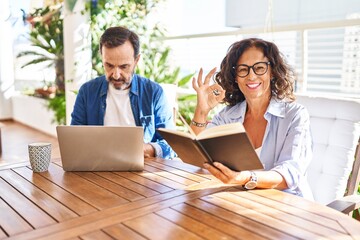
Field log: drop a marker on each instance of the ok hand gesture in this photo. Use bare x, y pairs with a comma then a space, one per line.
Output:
208, 96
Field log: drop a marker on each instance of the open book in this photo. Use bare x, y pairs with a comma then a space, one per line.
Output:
227, 144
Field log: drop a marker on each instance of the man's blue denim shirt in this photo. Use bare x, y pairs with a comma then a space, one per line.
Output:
148, 103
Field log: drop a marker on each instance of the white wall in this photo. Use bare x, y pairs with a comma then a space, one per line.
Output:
32, 111
193, 16
77, 52
254, 13
6, 62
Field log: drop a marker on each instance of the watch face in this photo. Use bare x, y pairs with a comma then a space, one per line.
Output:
250, 185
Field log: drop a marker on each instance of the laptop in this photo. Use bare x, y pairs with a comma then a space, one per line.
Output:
101, 148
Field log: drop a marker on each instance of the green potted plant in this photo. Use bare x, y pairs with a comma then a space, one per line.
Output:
46, 37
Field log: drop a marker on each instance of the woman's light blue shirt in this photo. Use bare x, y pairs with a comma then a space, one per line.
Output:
287, 143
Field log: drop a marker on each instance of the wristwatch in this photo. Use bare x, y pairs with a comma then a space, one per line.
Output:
252, 183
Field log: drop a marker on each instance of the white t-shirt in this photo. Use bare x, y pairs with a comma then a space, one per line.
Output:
118, 109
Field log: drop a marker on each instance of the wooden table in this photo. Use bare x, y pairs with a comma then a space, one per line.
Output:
168, 200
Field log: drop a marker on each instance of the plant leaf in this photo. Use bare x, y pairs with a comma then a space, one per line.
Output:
183, 81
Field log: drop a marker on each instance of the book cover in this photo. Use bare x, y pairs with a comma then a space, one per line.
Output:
227, 144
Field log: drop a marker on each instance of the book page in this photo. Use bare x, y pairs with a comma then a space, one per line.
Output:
222, 130
179, 133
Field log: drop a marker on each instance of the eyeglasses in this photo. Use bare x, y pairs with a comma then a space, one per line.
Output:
259, 68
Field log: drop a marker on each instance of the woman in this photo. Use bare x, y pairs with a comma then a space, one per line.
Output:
257, 85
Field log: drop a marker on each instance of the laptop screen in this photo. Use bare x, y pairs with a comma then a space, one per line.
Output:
101, 148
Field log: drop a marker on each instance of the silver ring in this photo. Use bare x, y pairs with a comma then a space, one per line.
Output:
216, 92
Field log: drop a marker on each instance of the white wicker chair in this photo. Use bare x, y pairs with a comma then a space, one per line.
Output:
334, 172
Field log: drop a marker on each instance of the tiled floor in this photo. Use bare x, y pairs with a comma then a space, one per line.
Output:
15, 138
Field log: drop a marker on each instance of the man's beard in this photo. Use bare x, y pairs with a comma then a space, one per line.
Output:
121, 83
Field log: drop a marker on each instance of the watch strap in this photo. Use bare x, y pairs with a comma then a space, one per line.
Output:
252, 183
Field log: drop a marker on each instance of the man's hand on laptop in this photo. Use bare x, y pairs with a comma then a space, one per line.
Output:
149, 150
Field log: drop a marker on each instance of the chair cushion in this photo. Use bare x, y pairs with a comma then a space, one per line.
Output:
335, 126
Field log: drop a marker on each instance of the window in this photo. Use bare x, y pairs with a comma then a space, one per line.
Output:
325, 60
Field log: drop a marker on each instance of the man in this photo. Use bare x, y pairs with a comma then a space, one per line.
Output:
121, 97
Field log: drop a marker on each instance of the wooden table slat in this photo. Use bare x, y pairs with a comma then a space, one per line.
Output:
272, 212
24, 207
328, 223
96, 235
352, 229
11, 222
2, 234
161, 179
260, 217
149, 180
91, 193
111, 186
178, 164
241, 221
190, 224
119, 231
305, 204
168, 175
131, 185
71, 201
48, 204
182, 173
156, 227
114, 215
216, 222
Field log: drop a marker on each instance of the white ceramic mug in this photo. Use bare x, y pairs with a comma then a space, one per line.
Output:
39, 156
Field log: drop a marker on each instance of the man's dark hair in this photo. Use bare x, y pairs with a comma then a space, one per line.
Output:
117, 36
